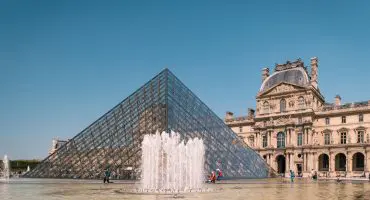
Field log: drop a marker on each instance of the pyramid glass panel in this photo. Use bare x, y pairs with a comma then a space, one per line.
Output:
162, 104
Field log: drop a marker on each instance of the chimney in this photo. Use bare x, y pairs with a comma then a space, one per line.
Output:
250, 113
314, 72
229, 115
265, 73
337, 100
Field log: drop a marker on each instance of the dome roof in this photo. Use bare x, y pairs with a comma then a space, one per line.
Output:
296, 76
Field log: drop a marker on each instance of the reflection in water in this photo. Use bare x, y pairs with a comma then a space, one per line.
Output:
267, 189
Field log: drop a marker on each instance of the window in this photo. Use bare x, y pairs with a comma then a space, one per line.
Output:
343, 138
266, 107
251, 141
344, 119
281, 140
240, 129
360, 117
360, 136
299, 141
327, 121
282, 105
327, 138
301, 102
264, 141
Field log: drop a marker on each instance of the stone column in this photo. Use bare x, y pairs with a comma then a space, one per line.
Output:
366, 168
308, 162
349, 164
304, 162
332, 162
292, 162
287, 162
269, 138
313, 161
270, 161
286, 138
308, 136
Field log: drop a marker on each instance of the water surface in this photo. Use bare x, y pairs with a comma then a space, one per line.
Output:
261, 189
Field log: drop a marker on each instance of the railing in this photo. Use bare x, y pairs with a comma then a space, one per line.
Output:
350, 106
240, 119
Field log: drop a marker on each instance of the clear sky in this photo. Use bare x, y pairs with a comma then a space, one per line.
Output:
65, 63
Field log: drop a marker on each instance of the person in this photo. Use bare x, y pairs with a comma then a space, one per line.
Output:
219, 174
213, 177
292, 176
106, 175
314, 177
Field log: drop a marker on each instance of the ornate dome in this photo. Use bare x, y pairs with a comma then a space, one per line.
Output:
296, 76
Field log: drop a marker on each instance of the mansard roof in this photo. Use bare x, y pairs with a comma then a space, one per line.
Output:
294, 73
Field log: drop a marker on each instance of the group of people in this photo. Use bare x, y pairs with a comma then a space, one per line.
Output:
213, 177
313, 175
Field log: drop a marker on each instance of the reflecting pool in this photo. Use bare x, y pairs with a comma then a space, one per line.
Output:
236, 189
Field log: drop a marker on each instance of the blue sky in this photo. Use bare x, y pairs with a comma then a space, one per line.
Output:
65, 63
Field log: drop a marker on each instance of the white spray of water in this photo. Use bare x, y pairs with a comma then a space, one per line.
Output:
169, 165
6, 168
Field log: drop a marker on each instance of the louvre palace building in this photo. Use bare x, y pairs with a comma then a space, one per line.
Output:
294, 128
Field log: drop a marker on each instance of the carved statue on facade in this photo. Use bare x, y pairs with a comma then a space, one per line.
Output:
284, 120
289, 65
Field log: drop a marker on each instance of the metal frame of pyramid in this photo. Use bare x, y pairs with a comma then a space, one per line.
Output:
162, 104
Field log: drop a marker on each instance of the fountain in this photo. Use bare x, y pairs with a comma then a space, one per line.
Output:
28, 168
6, 168
171, 166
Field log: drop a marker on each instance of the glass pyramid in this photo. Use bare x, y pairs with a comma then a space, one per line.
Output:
164, 104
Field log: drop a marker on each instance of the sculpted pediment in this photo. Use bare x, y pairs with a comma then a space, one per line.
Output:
281, 88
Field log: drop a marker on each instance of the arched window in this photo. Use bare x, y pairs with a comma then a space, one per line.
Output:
282, 105
281, 140
301, 103
266, 107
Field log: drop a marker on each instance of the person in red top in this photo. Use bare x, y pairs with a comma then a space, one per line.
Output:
219, 174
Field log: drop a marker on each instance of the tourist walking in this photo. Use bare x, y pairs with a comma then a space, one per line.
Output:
106, 175
219, 174
292, 175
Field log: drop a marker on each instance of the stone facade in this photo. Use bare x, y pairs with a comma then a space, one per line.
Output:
293, 127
